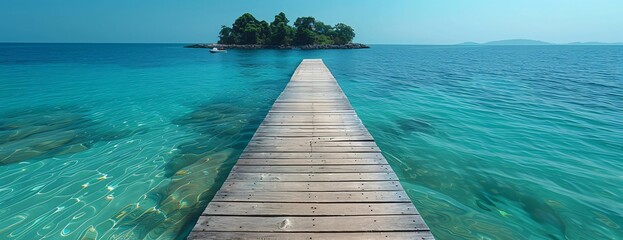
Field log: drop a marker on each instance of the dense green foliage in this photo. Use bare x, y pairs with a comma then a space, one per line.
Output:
306, 30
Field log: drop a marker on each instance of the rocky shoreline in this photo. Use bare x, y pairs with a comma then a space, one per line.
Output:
258, 46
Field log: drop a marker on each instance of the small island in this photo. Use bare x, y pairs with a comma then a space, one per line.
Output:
307, 33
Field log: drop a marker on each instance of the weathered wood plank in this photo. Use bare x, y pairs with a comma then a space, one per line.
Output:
376, 168
290, 129
312, 177
312, 128
319, 137
310, 148
278, 143
308, 209
303, 121
309, 162
298, 124
328, 197
311, 224
311, 155
311, 134
421, 235
232, 186
315, 117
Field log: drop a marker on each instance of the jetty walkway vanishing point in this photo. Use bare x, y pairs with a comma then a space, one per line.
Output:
311, 171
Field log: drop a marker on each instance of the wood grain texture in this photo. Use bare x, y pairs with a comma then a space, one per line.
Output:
299, 197
312, 177
419, 235
308, 209
311, 224
311, 171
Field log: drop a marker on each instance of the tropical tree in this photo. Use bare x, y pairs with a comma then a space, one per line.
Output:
281, 17
305, 23
305, 31
304, 37
322, 29
264, 33
280, 32
247, 30
226, 35
343, 34
324, 33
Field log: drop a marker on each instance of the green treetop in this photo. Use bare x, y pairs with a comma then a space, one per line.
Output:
280, 32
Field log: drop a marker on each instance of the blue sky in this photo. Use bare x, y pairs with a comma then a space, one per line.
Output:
375, 21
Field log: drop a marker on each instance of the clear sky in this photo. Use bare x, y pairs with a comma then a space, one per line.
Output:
374, 21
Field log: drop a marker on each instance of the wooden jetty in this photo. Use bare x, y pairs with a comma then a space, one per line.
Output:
311, 171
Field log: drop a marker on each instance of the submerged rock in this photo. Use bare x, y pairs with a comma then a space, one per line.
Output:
220, 125
334, 46
192, 171
196, 165
43, 132
538, 210
414, 125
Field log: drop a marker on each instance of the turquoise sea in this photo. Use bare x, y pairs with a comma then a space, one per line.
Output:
130, 141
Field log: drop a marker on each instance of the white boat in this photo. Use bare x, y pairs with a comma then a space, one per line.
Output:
216, 50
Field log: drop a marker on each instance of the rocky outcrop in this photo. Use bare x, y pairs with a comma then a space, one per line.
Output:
332, 46
259, 46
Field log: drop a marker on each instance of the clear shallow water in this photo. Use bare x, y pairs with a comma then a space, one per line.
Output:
132, 141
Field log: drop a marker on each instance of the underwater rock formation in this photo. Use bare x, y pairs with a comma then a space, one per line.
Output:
222, 132
44, 132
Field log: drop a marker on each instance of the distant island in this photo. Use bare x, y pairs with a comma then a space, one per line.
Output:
307, 33
528, 42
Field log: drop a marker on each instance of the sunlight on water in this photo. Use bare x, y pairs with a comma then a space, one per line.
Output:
132, 141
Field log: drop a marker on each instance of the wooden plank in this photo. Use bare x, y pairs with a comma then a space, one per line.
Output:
309, 162
422, 235
309, 114
308, 209
310, 148
312, 177
291, 129
311, 128
306, 132
373, 168
311, 155
341, 108
278, 143
231, 186
311, 134
311, 224
311, 123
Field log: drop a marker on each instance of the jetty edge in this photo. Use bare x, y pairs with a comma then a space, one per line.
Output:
260, 46
311, 171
